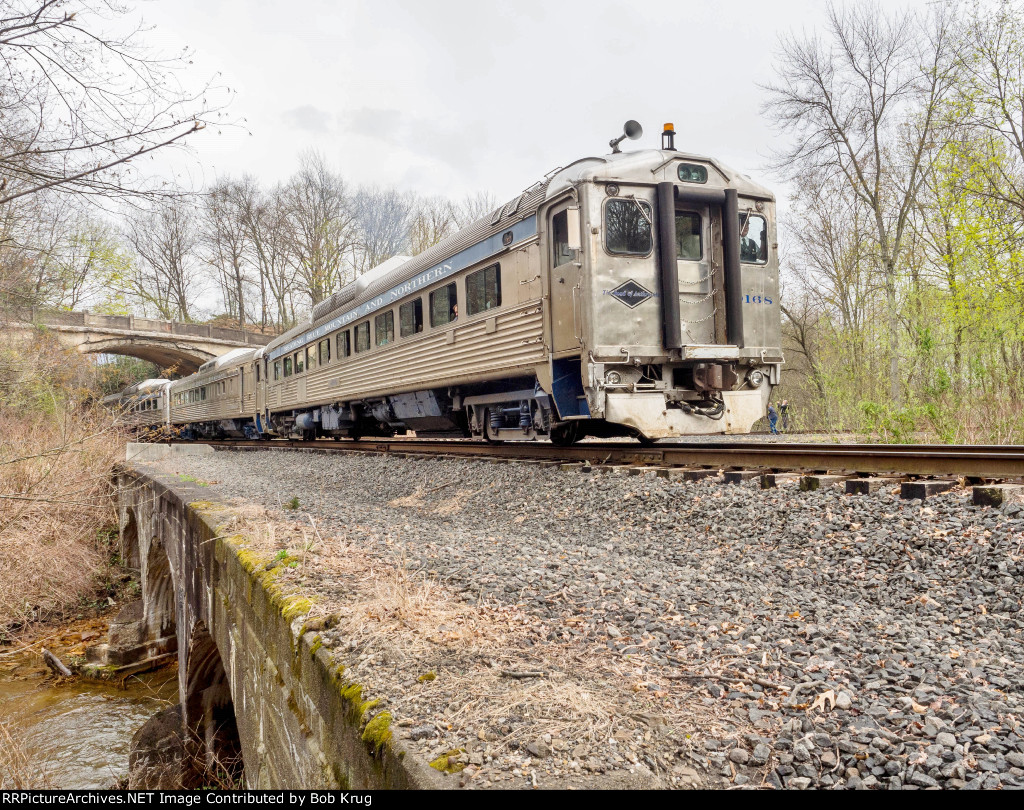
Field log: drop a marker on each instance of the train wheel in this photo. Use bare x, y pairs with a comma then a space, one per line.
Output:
566, 434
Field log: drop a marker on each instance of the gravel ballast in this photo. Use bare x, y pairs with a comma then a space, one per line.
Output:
742, 637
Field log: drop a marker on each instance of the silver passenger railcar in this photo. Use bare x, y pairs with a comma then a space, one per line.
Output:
633, 294
143, 405
630, 294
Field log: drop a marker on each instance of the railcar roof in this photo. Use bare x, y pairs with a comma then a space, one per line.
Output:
623, 166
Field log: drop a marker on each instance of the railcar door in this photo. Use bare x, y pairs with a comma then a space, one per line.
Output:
565, 283
696, 277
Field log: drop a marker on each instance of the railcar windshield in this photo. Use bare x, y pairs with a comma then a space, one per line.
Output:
627, 224
753, 238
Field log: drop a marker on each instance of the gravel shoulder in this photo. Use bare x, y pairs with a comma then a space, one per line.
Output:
689, 634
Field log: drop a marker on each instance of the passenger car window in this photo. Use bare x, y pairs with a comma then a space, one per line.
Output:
410, 317
344, 344
299, 364
444, 305
325, 351
753, 238
277, 370
627, 226
688, 236
363, 336
287, 367
384, 328
483, 290
310, 357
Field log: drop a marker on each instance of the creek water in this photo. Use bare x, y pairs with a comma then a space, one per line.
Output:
77, 733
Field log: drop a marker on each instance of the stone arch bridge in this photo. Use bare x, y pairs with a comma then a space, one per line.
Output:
184, 346
258, 696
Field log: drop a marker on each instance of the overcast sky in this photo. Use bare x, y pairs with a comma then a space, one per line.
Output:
453, 97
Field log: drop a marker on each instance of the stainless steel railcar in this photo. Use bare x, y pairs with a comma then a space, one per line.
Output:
143, 405
632, 294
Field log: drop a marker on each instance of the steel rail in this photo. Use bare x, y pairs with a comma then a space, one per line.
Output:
970, 461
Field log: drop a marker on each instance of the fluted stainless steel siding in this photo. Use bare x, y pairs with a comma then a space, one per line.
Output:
426, 362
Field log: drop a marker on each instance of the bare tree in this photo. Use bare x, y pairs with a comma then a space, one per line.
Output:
433, 220
383, 218
990, 98
226, 243
860, 106
264, 217
322, 224
77, 104
165, 240
473, 207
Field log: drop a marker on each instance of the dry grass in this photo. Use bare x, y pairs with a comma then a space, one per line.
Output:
392, 622
55, 498
16, 769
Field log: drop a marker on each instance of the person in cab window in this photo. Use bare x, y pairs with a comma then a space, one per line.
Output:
748, 247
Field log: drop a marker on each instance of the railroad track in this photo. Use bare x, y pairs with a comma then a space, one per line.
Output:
971, 461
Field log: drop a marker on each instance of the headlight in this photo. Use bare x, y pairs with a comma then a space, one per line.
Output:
755, 378
612, 378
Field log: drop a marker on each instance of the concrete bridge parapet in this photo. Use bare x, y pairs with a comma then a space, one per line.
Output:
252, 686
166, 343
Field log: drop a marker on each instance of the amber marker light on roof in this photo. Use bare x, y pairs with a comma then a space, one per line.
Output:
668, 137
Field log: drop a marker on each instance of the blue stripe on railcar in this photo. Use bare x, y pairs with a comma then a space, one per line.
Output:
521, 231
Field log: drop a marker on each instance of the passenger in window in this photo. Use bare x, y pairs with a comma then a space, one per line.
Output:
454, 314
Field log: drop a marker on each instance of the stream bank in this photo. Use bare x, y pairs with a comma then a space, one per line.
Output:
72, 733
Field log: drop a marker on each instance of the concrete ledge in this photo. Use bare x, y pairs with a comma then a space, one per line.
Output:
143, 452
867, 486
909, 490
300, 722
997, 494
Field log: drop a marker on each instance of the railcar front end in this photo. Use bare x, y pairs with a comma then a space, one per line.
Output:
666, 317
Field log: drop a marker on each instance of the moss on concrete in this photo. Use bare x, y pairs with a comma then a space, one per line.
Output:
377, 733
449, 761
